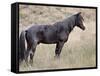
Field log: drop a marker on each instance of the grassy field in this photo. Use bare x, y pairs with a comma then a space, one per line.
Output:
78, 52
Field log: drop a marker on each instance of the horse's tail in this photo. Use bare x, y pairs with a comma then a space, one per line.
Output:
22, 48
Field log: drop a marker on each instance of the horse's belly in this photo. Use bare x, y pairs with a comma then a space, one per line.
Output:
49, 36
49, 40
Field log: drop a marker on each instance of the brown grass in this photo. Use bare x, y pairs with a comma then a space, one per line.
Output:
79, 51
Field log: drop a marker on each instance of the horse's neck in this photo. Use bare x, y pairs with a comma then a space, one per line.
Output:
69, 23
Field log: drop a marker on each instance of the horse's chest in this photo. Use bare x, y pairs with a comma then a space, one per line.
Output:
63, 36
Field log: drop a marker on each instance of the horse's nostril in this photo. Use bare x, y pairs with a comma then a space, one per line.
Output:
83, 28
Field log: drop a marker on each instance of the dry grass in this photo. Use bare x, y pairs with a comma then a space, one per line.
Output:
79, 51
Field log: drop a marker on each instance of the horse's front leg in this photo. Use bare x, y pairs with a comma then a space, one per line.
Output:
58, 49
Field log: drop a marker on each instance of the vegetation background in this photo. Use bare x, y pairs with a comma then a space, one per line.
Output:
78, 52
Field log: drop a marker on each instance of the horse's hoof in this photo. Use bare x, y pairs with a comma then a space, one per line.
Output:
31, 62
57, 56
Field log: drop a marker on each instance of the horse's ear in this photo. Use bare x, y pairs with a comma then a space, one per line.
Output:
78, 13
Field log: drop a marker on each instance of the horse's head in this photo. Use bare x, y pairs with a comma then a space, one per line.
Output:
79, 21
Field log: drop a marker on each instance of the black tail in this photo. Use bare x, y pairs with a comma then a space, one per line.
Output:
22, 46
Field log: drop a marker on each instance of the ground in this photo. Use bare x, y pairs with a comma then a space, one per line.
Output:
78, 52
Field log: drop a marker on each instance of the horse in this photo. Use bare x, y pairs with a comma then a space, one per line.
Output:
56, 33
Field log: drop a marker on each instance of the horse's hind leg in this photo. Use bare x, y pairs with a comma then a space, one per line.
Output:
29, 45
27, 53
33, 52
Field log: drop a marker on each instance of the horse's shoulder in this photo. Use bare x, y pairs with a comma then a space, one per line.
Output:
60, 28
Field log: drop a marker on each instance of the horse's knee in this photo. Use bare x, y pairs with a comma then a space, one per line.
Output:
31, 56
57, 53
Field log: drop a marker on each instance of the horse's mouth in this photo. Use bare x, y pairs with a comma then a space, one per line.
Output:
83, 28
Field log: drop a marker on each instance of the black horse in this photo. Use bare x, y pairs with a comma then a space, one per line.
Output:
57, 33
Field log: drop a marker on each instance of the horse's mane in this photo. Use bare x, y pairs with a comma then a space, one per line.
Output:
68, 23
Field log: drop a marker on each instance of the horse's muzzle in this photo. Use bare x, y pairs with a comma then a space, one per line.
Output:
83, 28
